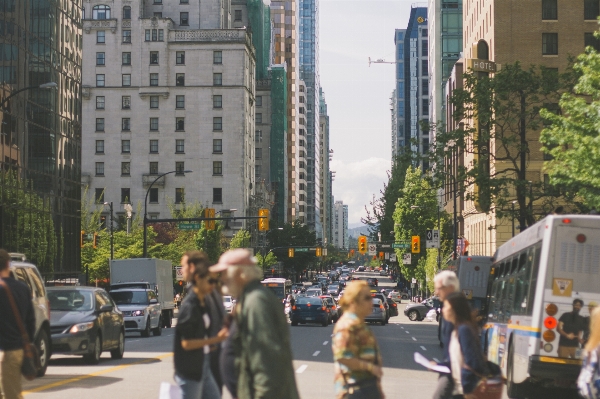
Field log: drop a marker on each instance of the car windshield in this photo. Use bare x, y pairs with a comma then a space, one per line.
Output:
129, 297
71, 300
333, 287
312, 301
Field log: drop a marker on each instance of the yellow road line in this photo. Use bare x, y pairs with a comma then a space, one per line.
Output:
86, 376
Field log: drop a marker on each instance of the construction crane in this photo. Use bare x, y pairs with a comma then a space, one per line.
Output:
380, 61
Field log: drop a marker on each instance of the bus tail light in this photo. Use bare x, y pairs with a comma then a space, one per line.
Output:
548, 347
549, 335
551, 309
294, 307
566, 221
550, 323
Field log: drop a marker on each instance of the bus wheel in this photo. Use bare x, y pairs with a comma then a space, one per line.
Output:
514, 390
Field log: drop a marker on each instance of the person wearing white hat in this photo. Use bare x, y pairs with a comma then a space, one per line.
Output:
262, 343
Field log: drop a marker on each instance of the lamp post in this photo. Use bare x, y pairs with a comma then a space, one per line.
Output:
49, 85
112, 237
513, 218
145, 221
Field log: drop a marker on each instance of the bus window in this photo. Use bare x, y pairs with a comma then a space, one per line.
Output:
521, 284
535, 265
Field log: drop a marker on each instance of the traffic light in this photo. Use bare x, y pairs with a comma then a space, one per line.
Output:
319, 251
263, 221
96, 241
352, 252
381, 255
82, 239
362, 244
416, 244
290, 252
209, 213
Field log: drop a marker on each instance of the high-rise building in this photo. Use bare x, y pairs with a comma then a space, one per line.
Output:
399, 138
168, 87
325, 179
340, 225
40, 144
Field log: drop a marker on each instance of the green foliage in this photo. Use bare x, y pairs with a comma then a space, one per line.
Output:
573, 139
294, 234
265, 262
210, 241
241, 239
431, 267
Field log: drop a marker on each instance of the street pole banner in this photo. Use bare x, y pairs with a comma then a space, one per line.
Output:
406, 259
372, 249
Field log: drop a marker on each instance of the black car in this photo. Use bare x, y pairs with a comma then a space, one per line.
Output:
418, 311
310, 310
393, 307
85, 321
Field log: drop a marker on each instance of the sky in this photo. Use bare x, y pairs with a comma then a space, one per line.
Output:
358, 96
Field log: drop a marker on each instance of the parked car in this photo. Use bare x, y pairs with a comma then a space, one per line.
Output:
28, 273
332, 306
377, 313
418, 311
310, 310
392, 306
85, 321
384, 302
228, 303
141, 310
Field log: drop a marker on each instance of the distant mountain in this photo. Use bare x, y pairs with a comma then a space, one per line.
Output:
357, 231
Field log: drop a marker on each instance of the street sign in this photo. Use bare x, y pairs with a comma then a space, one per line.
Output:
301, 249
387, 256
188, 226
414, 281
433, 239
407, 259
402, 245
385, 246
392, 257
178, 274
372, 249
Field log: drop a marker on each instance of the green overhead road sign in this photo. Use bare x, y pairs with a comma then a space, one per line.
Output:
301, 249
401, 245
188, 226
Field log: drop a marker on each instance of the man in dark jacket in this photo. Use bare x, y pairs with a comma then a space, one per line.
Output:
11, 342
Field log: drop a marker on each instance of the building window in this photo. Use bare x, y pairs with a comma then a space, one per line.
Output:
217, 195
153, 146
258, 118
217, 146
179, 168
99, 102
125, 168
258, 136
591, 9
99, 168
99, 124
101, 37
126, 58
154, 102
99, 146
179, 124
258, 101
217, 168
126, 36
424, 32
153, 168
217, 57
125, 124
218, 123
180, 57
424, 67
157, 1
425, 104
100, 58
590, 40
258, 153
237, 15
99, 195
125, 146
100, 80
184, 19
217, 79
549, 9
179, 195
180, 102
101, 11
257, 171
158, 14
125, 195
217, 101
126, 12
425, 87
549, 43
126, 80
153, 79
424, 48
126, 102
184, 1
153, 124
153, 195
179, 146
154, 58
180, 79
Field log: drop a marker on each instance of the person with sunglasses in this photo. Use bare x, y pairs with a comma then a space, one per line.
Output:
192, 341
217, 313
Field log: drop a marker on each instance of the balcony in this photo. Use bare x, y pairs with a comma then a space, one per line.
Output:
210, 36
89, 24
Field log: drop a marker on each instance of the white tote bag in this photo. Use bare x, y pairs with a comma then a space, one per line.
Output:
169, 391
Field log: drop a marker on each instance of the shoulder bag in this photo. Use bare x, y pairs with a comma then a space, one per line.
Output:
491, 385
588, 383
31, 359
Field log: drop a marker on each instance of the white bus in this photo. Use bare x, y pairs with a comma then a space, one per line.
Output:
281, 287
473, 275
535, 278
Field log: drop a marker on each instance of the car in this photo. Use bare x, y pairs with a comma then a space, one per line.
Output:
418, 311
377, 313
393, 306
85, 321
360, 269
333, 289
228, 303
373, 282
383, 273
310, 310
384, 303
314, 291
141, 310
332, 306
395, 296
297, 287
26, 272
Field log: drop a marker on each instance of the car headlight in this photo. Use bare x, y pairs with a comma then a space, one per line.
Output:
81, 327
137, 313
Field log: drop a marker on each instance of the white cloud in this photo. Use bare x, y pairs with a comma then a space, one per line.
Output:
357, 181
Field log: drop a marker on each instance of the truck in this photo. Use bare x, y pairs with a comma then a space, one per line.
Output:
145, 274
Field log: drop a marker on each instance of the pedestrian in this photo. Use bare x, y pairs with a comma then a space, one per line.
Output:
445, 282
587, 322
192, 344
227, 357
356, 355
262, 344
467, 363
570, 328
588, 383
11, 341
216, 311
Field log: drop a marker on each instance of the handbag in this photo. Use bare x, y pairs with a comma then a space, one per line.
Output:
491, 385
588, 382
31, 359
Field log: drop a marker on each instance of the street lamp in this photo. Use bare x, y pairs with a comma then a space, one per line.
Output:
145, 222
513, 218
112, 242
49, 85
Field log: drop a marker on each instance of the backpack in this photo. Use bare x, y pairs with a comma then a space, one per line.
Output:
588, 383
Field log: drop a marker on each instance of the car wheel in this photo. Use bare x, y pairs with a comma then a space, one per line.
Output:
413, 315
43, 347
383, 323
146, 332
157, 332
325, 322
94, 357
117, 353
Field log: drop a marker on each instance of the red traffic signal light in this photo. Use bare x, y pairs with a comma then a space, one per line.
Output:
415, 244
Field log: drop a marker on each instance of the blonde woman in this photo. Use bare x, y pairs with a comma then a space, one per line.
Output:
588, 382
358, 367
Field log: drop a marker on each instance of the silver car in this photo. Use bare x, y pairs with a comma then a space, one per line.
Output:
141, 310
378, 314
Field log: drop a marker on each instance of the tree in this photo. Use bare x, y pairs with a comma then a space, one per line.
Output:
265, 262
431, 267
501, 124
293, 234
210, 241
241, 239
573, 137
